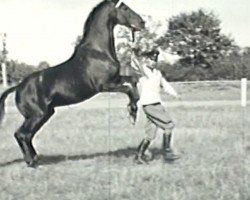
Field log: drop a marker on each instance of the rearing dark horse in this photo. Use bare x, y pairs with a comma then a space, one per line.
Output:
92, 68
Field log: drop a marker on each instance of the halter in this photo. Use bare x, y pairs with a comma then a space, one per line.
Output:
118, 4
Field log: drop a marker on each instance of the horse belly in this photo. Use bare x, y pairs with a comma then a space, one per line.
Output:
60, 100
72, 95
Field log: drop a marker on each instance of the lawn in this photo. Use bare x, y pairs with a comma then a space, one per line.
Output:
88, 154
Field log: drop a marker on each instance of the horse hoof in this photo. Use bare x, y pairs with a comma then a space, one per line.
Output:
131, 115
140, 160
33, 163
132, 119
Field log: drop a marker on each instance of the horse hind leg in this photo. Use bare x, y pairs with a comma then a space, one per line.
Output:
25, 134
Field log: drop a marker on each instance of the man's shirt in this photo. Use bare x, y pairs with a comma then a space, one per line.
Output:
150, 86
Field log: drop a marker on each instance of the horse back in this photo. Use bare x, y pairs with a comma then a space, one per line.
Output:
56, 86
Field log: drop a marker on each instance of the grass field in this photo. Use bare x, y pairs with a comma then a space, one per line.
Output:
87, 154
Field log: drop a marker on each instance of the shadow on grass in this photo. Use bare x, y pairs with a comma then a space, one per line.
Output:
55, 159
15, 161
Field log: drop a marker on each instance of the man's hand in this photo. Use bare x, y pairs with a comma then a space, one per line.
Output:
128, 84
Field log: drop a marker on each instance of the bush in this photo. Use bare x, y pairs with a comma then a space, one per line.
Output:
233, 67
16, 71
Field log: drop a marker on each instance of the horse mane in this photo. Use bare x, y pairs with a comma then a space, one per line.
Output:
90, 19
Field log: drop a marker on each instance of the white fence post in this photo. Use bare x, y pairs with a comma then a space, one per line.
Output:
4, 75
4, 59
244, 92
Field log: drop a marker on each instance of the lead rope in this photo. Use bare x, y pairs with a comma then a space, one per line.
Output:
132, 46
132, 59
109, 153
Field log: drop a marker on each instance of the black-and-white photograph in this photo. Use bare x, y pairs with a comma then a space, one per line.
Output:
124, 100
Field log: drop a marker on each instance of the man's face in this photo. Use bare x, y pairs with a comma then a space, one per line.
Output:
149, 63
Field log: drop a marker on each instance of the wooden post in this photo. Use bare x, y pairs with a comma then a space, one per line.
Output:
244, 92
4, 75
4, 59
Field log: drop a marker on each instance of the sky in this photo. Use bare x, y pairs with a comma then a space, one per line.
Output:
45, 30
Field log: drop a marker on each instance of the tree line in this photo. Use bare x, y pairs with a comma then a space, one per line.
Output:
206, 53
16, 71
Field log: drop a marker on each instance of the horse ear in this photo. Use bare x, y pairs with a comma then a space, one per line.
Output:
114, 1
117, 3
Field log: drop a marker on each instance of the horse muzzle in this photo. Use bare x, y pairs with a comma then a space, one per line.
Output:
138, 27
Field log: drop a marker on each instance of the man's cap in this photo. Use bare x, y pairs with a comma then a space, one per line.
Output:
152, 54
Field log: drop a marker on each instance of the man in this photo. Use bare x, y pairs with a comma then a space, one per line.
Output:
157, 117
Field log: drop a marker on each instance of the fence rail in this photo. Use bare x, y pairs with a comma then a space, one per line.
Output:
215, 81
194, 93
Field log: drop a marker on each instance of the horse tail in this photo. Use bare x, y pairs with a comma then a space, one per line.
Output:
2, 100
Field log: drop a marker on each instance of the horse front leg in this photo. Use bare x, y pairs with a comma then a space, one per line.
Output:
131, 90
132, 105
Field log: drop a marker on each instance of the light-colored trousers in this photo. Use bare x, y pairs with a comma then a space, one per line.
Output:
157, 118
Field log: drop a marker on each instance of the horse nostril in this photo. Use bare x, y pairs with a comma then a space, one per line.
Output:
143, 23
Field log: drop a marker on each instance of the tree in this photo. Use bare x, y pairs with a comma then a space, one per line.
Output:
43, 65
197, 37
18, 71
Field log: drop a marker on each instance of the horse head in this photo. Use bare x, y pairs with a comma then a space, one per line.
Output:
125, 16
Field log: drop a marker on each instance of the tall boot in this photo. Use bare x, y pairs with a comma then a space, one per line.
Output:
140, 157
168, 153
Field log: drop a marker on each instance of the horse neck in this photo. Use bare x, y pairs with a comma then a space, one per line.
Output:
100, 37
